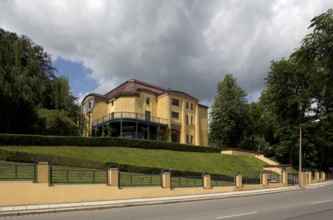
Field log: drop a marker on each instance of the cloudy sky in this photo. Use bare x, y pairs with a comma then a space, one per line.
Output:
181, 45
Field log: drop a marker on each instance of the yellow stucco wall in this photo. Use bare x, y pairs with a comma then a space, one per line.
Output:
99, 110
163, 108
27, 193
125, 104
203, 126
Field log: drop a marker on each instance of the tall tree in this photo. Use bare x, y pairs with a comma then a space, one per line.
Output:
316, 52
287, 98
229, 114
27, 83
299, 90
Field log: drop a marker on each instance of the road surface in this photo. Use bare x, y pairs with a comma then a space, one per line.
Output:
314, 203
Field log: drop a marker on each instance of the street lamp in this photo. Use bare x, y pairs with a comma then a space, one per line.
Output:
300, 151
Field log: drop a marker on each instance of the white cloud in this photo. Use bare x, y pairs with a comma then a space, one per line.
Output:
182, 45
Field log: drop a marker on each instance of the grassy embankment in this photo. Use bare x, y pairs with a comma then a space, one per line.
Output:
214, 163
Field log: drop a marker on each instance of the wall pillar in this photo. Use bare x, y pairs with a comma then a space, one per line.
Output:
323, 177
166, 180
43, 172
310, 177
264, 179
284, 178
207, 181
239, 181
317, 176
113, 177
304, 178
182, 115
197, 124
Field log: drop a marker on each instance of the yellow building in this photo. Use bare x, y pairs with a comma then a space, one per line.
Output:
137, 109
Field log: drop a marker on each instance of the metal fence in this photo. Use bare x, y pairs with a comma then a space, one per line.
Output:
222, 181
314, 176
17, 172
134, 179
292, 178
63, 176
251, 180
272, 178
186, 181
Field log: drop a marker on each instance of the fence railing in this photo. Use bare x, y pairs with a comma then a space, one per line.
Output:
251, 180
62, 176
132, 180
17, 172
292, 178
222, 181
186, 181
271, 178
128, 115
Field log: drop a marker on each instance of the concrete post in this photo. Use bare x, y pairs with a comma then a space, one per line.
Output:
310, 177
264, 179
113, 177
239, 181
304, 178
166, 180
207, 182
43, 172
323, 177
284, 177
317, 176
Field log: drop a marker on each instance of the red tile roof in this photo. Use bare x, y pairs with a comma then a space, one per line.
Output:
132, 87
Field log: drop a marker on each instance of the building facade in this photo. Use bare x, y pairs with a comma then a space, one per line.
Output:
137, 109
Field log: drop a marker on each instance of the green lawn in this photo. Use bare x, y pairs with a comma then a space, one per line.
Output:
185, 161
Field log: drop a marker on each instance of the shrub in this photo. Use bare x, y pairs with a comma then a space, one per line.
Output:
55, 122
40, 140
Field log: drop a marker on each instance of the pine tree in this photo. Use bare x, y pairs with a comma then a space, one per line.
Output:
229, 114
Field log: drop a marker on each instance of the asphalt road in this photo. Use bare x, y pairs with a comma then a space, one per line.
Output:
314, 203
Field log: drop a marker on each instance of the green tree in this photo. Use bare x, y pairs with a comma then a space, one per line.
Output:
254, 135
21, 81
300, 90
228, 114
27, 83
55, 122
288, 99
316, 52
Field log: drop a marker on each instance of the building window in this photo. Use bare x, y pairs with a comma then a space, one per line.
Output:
90, 104
112, 103
147, 101
175, 115
191, 106
191, 120
175, 102
186, 105
187, 139
84, 108
191, 139
187, 121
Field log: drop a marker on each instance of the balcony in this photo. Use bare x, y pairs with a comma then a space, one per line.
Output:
129, 117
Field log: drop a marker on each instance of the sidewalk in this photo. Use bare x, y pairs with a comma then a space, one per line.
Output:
68, 207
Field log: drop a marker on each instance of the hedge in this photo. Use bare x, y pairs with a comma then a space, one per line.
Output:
27, 157
40, 140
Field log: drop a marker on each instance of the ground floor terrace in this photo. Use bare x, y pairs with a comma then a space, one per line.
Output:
134, 125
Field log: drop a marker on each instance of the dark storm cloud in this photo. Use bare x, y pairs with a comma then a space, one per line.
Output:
182, 45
